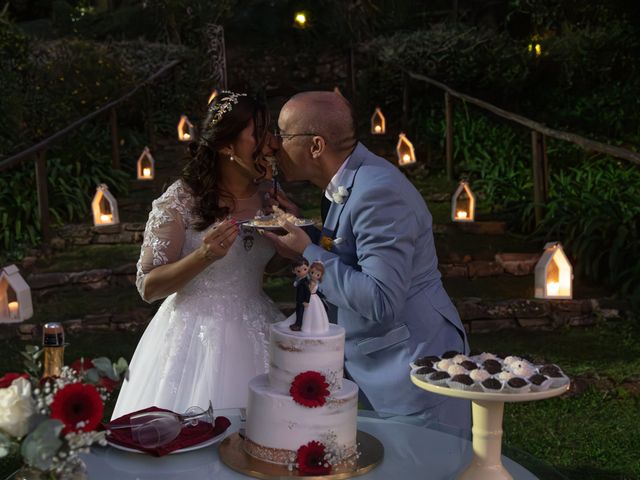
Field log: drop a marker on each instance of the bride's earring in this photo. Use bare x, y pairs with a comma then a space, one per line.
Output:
232, 158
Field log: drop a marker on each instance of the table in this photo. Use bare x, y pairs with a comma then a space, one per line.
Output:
411, 452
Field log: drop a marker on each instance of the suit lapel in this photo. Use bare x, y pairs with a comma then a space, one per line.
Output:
346, 180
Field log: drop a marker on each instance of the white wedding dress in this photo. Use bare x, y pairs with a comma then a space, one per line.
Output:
209, 339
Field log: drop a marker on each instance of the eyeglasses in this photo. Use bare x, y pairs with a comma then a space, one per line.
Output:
280, 135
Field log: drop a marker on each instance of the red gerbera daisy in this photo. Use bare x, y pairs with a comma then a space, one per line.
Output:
311, 459
82, 365
309, 389
8, 379
75, 403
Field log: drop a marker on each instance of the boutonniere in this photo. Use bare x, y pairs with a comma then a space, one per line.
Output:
340, 195
327, 242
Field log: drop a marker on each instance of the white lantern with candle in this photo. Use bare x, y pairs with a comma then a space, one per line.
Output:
146, 165
104, 207
378, 122
463, 204
186, 132
553, 274
15, 296
404, 150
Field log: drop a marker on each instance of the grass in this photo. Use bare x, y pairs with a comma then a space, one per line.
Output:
591, 434
90, 257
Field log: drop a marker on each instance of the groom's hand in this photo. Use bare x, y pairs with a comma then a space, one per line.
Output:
291, 245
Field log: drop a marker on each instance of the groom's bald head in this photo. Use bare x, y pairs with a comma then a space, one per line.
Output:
325, 113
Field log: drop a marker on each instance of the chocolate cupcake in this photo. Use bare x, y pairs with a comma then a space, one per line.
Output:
439, 378
450, 354
517, 385
425, 370
539, 382
427, 361
537, 379
550, 370
492, 366
469, 365
491, 385
461, 382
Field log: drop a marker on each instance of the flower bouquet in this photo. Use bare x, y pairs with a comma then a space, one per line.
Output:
49, 421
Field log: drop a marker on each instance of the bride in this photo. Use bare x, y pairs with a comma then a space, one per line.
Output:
210, 335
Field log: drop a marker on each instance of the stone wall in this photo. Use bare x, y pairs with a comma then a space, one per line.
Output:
478, 316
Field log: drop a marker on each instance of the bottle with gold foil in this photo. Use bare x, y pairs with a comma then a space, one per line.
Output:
53, 346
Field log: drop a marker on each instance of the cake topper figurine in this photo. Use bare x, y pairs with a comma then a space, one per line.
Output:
303, 293
315, 318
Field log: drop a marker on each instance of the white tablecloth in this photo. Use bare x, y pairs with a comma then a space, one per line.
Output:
410, 452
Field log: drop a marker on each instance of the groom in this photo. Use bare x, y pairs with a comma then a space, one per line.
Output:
379, 256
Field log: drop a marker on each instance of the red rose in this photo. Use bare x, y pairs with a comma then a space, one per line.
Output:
108, 384
82, 365
311, 460
309, 389
75, 403
10, 377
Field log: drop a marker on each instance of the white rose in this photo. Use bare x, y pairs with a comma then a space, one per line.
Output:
16, 408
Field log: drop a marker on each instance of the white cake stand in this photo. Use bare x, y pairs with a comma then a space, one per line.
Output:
487, 410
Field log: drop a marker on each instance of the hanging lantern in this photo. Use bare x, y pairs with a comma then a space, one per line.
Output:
146, 165
301, 20
553, 273
186, 132
104, 207
15, 296
405, 151
213, 95
463, 204
378, 123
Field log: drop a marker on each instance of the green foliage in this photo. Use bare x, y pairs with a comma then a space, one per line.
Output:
594, 210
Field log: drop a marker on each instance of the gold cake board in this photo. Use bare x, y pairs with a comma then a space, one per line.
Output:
233, 455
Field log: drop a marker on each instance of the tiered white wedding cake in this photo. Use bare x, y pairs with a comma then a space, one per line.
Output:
303, 402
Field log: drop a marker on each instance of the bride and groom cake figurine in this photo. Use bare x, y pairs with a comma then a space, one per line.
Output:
311, 314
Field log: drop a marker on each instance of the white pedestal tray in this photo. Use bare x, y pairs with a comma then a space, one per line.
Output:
487, 410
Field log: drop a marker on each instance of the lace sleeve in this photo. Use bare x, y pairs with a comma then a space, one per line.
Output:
164, 233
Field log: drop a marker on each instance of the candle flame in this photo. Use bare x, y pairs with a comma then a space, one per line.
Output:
553, 288
146, 172
106, 218
461, 214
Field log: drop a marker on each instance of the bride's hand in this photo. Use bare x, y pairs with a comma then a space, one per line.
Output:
217, 242
282, 201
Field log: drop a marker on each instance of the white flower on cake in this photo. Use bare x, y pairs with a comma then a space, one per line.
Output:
511, 359
16, 408
522, 369
444, 364
460, 358
505, 376
456, 370
340, 195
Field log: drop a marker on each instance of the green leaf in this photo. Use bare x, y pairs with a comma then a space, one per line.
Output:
40, 446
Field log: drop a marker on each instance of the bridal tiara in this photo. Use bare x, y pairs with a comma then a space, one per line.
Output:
225, 105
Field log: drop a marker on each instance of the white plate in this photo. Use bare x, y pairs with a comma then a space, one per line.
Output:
206, 443
306, 223
486, 396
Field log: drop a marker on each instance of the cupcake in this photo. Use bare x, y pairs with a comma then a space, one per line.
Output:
511, 359
522, 369
444, 364
424, 371
517, 385
439, 378
454, 370
486, 356
450, 354
505, 376
469, 365
479, 375
427, 361
461, 382
492, 385
557, 377
539, 382
460, 358
492, 366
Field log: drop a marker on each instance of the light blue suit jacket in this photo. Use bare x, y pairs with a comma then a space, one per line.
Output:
382, 275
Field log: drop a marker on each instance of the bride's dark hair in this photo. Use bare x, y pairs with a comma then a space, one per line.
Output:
201, 173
